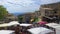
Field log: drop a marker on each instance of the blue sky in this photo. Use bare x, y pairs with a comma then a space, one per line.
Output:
23, 6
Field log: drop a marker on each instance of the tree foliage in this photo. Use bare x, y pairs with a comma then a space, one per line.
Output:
3, 12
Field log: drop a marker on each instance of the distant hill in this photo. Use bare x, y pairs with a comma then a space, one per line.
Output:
16, 14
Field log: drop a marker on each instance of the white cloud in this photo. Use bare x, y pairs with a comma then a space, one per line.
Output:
1, 3
24, 5
20, 2
20, 5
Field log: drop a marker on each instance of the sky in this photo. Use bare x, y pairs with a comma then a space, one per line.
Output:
23, 6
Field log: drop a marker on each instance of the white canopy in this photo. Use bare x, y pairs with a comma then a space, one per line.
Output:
54, 25
13, 22
6, 31
25, 25
39, 30
9, 24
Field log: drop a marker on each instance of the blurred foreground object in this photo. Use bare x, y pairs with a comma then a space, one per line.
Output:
39, 30
6, 31
55, 27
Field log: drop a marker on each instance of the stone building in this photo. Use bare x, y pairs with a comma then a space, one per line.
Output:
27, 17
37, 13
50, 10
10, 17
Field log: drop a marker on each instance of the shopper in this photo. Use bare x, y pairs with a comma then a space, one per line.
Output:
17, 29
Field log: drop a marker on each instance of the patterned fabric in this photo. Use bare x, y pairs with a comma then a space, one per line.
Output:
42, 23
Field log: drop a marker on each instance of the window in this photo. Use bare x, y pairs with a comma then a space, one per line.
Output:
55, 11
46, 12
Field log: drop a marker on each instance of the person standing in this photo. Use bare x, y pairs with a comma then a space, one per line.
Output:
17, 29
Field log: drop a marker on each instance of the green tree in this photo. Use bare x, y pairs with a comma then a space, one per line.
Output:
20, 19
35, 19
3, 12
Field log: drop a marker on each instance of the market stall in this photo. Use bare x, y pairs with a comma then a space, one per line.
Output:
5, 25
55, 27
24, 27
40, 30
